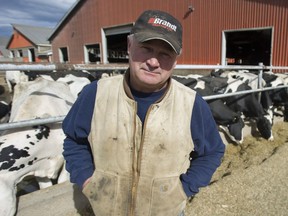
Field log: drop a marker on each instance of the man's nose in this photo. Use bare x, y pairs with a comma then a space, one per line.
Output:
153, 62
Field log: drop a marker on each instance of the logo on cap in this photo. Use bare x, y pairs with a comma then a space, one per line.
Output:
162, 23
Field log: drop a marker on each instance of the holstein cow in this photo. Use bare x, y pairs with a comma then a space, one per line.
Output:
74, 78
249, 104
32, 151
279, 97
227, 120
56, 74
13, 77
76, 84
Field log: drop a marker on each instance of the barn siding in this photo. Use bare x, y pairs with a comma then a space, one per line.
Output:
19, 41
202, 28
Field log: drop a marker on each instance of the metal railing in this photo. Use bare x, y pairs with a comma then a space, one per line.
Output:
32, 122
23, 67
260, 68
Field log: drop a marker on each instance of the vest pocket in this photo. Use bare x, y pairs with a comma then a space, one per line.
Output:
168, 196
101, 192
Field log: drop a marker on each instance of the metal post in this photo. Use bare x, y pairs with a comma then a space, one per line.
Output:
260, 76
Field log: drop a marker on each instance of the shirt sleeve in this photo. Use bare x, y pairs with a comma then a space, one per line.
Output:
76, 127
208, 149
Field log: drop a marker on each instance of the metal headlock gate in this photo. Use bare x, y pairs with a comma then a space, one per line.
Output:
32, 122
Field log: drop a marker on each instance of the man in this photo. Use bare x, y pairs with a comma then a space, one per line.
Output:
142, 143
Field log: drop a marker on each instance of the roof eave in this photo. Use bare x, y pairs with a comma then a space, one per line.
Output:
66, 15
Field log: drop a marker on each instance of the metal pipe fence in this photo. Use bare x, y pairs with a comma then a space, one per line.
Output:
260, 68
39, 67
32, 122
49, 67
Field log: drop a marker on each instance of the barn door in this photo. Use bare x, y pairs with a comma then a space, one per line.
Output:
114, 44
247, 46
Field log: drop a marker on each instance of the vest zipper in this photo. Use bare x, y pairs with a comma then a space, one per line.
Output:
134, 167
137, 157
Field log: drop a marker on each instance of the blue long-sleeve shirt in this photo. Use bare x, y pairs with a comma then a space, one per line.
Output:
208, 146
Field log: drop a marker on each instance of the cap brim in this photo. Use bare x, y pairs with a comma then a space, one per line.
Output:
142, 37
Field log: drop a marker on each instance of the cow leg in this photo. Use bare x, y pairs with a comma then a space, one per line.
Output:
44, 182
64, 175
49, 170
7, 198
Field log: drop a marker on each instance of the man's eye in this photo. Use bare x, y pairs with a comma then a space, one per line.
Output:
165, 55
146, 49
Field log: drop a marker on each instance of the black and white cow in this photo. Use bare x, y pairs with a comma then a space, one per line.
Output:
13, 77
279, 97
56, 74
76, 79
33, 151
251, 105
228, 120
75, 83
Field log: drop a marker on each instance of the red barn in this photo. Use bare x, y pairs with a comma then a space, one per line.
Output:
30, 43
214, 32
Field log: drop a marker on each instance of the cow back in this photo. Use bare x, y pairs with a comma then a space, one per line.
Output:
39, 99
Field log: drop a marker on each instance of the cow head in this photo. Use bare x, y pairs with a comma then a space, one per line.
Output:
264, 127
234, 130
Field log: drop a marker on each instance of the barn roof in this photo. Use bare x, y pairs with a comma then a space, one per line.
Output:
3, 42
37, 35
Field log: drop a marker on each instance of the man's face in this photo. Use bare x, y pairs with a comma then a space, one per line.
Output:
151, 64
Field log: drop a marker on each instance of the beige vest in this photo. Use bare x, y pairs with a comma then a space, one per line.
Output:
137, 173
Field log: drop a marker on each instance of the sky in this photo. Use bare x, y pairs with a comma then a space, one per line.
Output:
42, 13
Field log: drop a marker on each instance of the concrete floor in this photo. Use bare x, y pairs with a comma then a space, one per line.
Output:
64, 199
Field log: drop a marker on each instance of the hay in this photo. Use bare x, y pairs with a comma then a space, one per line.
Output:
252, 179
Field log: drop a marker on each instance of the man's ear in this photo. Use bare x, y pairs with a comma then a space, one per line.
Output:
128, 45
175, 63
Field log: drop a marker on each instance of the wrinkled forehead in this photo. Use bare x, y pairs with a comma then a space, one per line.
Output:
157, 42
160, 43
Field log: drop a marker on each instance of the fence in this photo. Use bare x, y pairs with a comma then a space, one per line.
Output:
260, 68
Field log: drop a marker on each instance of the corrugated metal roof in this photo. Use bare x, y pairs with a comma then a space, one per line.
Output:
37, 35
3, 43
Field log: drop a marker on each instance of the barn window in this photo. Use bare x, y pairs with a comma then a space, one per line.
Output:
92, 53
31, 55
20, 53
117, 48
114, 40
248, 46
63, 54
12, 54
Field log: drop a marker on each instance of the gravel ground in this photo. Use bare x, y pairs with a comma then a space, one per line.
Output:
252, 180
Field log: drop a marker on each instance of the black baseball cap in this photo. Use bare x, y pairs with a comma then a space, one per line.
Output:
155, 24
